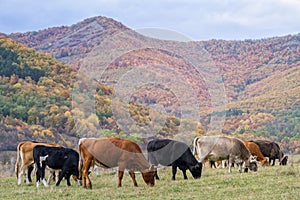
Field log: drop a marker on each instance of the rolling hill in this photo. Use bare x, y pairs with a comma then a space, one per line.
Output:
260, 77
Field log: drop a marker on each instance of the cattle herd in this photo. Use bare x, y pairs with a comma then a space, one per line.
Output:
127, 155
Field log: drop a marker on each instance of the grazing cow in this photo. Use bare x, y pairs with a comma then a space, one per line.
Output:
113, 152
173, 153
217, 148
255, 151
269, 149
58, 158
25, 152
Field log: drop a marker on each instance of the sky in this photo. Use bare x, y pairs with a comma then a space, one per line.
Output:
195, 19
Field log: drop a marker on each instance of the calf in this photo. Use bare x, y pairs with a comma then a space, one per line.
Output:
173, 153
65, 159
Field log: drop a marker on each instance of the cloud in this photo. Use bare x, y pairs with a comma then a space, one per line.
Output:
199, 19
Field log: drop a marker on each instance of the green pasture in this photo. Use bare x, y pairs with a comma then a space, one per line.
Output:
277, 182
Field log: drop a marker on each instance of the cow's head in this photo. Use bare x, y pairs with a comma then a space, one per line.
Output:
148, 176
251, 163
196, 170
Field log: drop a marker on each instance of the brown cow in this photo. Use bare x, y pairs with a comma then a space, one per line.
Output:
255, 151
25, 152
113, 152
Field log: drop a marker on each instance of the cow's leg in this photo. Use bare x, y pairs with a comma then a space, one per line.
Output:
68, 179
51, 176
24, 172
38, 176
61, 176
120, 176
212, 164
133, 178
240, 167
21, 173
122, 167
29, 171
153, 161
85, 173
156, 175
174, 170
184, 174
43, 175
229, 164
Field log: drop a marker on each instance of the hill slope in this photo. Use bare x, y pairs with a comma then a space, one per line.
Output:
260, 76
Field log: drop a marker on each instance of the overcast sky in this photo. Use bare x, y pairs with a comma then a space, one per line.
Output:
196, 19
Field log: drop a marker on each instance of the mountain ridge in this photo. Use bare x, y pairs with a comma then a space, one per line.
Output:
260, 76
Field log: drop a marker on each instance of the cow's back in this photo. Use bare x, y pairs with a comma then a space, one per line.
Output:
109, 151
267, 148
165, 151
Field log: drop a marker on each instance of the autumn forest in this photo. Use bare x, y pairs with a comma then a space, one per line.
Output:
38, 74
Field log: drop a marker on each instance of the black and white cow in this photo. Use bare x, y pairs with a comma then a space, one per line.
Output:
217, 148
173, 153
65, 159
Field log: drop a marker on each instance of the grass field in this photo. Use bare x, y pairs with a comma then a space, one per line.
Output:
278, 182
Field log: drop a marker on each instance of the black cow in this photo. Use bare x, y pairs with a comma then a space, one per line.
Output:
173, 153
269, 149
65, 159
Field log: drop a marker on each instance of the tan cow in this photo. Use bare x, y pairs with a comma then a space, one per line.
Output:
216, 148
25, 152
113, 152
255, 151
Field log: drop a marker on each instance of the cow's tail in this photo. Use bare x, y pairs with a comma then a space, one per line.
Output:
80, 159
80, 164
18, 159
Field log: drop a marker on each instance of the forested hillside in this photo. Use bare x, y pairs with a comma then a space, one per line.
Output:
36, 101
260, 77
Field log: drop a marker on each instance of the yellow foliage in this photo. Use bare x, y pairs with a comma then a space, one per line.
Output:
47, 133
67, 114
35, 133
65, 94
110, 120
69, 144
53, 109
17, 85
